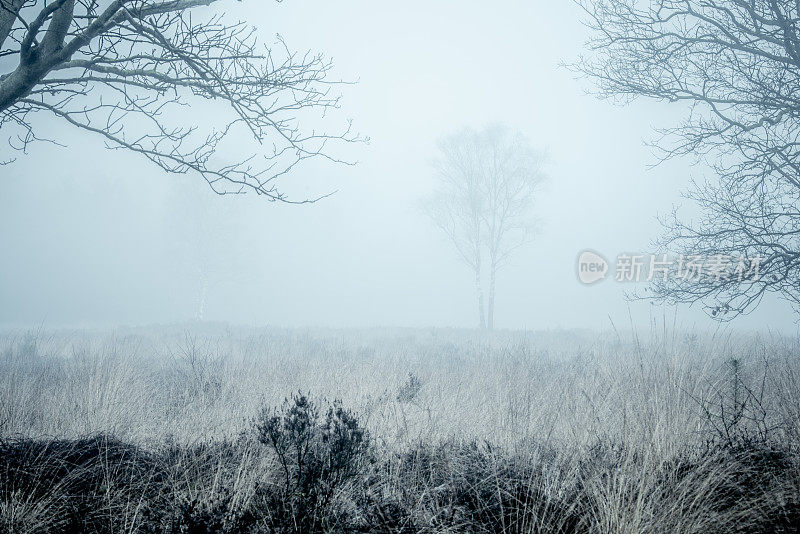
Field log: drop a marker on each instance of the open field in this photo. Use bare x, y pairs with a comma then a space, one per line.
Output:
168, 430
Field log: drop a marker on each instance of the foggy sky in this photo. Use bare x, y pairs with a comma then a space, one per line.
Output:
95, 237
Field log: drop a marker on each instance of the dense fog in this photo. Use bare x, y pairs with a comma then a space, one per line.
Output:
95, 237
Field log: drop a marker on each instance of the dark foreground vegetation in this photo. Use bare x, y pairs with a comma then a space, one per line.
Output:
437, 431
313, 468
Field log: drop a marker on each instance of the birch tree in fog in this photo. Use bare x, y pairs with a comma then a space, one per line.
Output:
737, 64
487, 181
205, 234
124, 70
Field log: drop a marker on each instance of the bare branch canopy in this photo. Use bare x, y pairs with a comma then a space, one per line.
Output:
736, 65
487, 183
125, 70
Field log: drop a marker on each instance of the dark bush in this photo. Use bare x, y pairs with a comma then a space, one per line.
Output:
317, 456
328, 476
482, 489
89, 480
409, 391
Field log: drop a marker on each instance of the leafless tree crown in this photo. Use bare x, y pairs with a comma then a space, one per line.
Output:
736, 64
127, 70
487, 182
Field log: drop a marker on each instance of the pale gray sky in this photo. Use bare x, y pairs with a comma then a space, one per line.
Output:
93, 237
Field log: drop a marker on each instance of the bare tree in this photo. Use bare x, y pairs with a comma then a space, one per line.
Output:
487, 182
204, 231
125, 69
736, 65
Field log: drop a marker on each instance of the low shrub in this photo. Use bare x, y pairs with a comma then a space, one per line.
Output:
318, 455
310, 467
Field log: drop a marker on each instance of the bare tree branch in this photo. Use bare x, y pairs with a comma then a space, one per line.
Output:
124, 70
9, 12
737, 62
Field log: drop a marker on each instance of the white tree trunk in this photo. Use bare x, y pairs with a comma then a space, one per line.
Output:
201, 300
490, 311
479, 290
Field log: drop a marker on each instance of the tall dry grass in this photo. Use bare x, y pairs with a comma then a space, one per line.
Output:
523, 432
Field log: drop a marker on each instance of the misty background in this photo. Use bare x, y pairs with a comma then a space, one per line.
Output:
92, 237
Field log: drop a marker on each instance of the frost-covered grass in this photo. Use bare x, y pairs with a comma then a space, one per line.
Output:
519, 432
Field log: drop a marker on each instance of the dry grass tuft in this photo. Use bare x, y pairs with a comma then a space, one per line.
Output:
437, 431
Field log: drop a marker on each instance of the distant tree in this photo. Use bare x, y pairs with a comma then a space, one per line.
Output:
125, 69
204, 231
736, 63
487, 182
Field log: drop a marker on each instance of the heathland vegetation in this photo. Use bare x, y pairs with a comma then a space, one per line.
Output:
223, 430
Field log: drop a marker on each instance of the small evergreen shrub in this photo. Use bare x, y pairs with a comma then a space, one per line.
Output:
410, 389
318, 455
